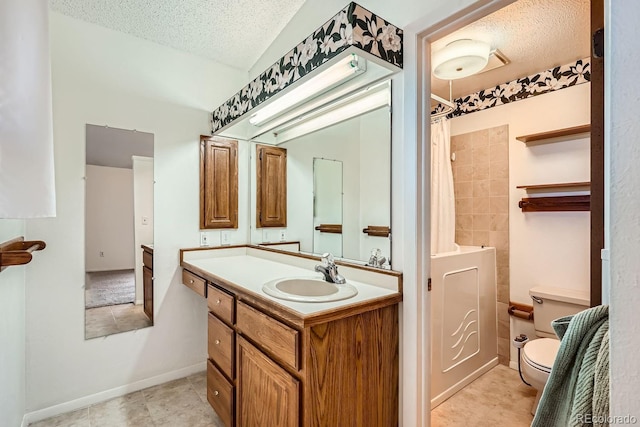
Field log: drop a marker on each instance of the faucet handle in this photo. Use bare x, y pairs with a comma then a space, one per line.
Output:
327, 259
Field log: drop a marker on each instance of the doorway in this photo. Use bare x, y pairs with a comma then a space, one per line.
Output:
589, 275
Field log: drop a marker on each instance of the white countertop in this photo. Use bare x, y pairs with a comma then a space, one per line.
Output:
252, 272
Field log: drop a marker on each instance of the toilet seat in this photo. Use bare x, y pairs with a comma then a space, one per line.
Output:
541, 353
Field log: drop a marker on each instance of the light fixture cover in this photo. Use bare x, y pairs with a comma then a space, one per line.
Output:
461, 58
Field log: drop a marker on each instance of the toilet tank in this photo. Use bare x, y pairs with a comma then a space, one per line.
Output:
551, 303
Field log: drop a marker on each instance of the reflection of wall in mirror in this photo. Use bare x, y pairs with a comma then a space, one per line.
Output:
142, 214
327, 204
360, 143
108, 225
375, 180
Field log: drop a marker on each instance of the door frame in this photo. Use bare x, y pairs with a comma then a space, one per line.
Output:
418, 38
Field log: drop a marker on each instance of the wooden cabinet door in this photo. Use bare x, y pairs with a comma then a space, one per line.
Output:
271, 186
218, 183
147, 291
267, 395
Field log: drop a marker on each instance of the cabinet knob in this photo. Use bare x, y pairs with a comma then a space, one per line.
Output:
215, 392
191, 281
217, 342
218, 301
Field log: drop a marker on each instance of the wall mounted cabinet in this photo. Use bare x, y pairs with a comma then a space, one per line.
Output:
218, 183
271, 186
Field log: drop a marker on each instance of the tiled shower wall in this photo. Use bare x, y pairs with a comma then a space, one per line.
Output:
481, 181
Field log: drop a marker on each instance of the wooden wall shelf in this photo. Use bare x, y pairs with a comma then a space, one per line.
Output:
555, 204
554, 135
564, 186
18, 251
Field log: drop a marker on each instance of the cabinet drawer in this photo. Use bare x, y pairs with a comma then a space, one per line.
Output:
221, 345
221, 303
220, 394
196, 283
147, 259
273, 336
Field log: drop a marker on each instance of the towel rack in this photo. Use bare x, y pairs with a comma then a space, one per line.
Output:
522, 311
18, 251
377, 230
329, 228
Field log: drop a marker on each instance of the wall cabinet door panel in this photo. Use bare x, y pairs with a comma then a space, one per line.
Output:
271, 186
218, 183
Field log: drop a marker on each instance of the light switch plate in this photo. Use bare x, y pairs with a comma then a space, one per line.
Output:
225, 238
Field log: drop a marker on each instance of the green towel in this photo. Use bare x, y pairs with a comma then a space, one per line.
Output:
577, 392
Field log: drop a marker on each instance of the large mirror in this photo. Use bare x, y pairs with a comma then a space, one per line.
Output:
118, 230
338, 189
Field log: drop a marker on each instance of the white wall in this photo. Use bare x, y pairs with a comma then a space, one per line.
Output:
104, 77
622, 130
142, 213
12, 332
546, 248
109, 219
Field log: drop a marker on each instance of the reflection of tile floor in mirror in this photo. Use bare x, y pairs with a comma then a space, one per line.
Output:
112, 319
498, 398
179, 403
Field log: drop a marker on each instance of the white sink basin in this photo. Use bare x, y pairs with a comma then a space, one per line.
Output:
308, 289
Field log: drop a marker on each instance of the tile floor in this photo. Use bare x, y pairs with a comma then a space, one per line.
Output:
111, 319
179, 403
498, 398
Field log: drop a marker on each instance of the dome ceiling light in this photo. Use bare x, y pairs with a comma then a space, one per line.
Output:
461, 58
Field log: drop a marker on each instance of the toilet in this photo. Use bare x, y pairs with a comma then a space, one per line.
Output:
538, 355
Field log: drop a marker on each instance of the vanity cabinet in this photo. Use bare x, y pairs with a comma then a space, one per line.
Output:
147, 281
218, 183
266, 368
271, 186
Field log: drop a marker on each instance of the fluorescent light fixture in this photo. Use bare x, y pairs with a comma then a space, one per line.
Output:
367, 100
461, 58
340, 72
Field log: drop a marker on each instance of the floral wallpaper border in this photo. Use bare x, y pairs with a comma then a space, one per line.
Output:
352, 26
557, 78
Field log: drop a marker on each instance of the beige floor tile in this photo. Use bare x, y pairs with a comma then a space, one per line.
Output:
166, 390
79, 418
199, 383
498, 398
129, 410
198, 416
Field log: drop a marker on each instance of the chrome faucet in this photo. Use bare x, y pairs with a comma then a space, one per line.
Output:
329, 270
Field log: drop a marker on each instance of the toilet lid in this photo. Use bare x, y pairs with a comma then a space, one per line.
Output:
541, 353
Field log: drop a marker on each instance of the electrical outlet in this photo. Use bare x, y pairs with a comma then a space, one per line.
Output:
224, 238
101, 254
283, 235
266, 236
204, 238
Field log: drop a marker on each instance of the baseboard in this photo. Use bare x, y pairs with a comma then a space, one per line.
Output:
139, 302
513, 365
102, 396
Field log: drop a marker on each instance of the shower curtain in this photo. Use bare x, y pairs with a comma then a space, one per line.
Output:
443, 214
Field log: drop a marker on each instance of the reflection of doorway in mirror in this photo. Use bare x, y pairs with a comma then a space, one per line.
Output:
118, 221
327, 206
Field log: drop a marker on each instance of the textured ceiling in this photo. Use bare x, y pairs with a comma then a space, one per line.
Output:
534, 34
233, 32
